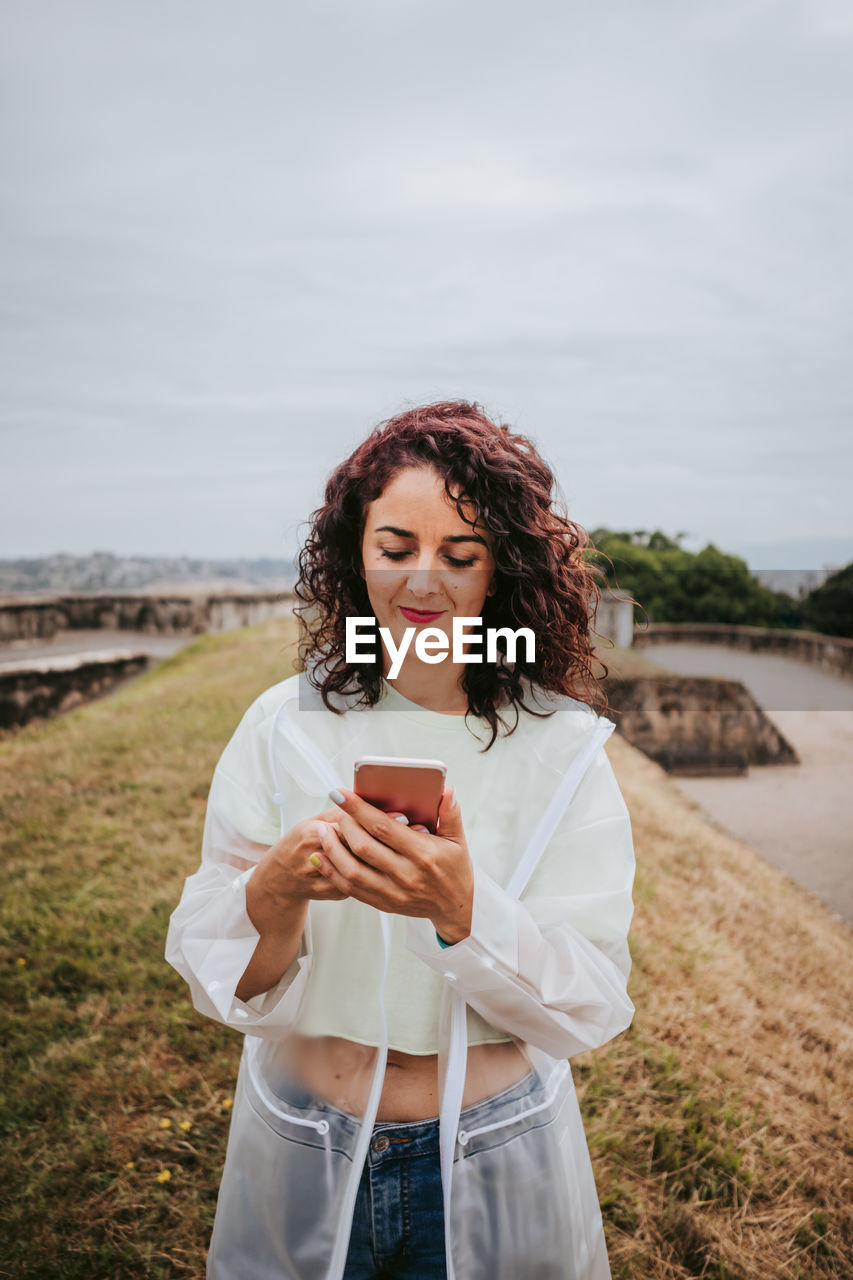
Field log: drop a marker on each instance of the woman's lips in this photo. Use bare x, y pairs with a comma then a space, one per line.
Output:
416, 615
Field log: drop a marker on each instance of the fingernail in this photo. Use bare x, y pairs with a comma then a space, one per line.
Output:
401, 817
450, 792
322, 830
314, 859
420, 828
337, 797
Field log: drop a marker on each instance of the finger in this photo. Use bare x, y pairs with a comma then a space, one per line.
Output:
348, 872
331, 819
325, 870
376, 822
377, 853
320, 833
317, 863
450, 816
322, 888
328, 815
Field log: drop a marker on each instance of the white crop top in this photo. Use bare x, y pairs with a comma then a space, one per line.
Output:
261, 787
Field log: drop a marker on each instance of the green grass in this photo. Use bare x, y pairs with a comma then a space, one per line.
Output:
100, 817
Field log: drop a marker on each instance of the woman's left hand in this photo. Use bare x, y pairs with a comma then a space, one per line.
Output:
400, 869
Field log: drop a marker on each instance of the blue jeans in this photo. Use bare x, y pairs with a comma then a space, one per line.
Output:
398, 1226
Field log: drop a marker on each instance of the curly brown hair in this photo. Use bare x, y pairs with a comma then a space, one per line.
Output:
542, 578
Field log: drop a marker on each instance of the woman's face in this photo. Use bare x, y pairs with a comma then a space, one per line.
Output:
423, 565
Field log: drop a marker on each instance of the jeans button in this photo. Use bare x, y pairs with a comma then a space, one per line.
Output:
381, 1144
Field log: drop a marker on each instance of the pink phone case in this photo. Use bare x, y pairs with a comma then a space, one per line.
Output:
402, 785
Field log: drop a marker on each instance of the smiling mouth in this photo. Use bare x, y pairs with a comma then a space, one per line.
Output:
420, 615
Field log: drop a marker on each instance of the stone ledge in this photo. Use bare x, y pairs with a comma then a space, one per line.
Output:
191, 613
29, 690
696, 724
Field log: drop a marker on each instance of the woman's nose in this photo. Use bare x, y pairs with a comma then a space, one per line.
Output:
425, 578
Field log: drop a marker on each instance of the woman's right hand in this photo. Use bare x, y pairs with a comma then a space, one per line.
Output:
277, 896
286, 875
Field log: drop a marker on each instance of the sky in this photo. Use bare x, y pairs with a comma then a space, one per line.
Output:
233, 238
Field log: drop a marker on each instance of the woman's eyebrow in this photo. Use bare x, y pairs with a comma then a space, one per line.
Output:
451, 537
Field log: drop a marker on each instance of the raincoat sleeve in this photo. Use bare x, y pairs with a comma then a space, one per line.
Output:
211, 938
553, 967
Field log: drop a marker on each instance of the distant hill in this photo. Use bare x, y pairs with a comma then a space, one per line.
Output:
103, 571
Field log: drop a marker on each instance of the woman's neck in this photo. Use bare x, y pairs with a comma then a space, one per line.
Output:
433, 688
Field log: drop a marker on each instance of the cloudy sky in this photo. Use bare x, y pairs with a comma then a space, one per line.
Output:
234, 237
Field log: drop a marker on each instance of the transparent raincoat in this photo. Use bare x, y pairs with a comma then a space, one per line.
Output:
545, 967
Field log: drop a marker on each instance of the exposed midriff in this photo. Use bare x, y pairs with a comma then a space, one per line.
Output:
340, 1072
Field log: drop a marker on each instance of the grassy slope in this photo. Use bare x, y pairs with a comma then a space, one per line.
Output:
717, 1124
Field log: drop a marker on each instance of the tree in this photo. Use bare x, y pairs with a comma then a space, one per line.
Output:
670, 584
829, 608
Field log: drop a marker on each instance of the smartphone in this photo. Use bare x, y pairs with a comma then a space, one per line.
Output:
401, 784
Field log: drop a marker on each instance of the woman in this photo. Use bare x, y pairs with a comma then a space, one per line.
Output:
404, 1105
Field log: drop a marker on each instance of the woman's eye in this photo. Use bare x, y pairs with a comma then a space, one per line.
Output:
451, 560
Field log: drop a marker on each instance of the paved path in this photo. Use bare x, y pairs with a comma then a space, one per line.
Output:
800, 817
70, 643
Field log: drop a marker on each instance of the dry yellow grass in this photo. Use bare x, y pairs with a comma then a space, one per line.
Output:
719, 1124
739, 1060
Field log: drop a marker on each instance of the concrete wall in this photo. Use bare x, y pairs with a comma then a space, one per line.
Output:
831, 652
30, 690
699, 725
615, 621
227, 613
37, 618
